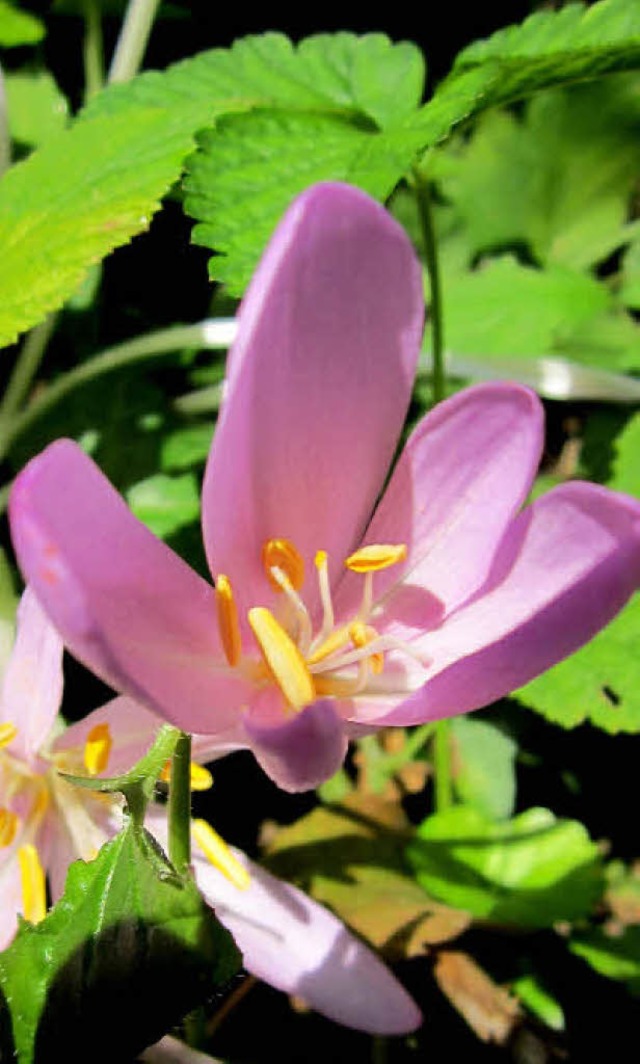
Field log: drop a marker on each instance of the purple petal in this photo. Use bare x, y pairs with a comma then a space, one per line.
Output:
133, 730
463, 475
319, 382
124, 603
32, 688
298, 946
300, 751
568, 564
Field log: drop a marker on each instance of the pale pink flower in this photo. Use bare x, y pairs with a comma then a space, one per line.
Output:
46, 823
464, 596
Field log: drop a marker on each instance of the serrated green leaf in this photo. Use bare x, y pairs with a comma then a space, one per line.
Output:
166, 503
128, 949
18, 27
484, 766
72, 201
365, 76
531, 871
36, 108
556, 179
252, 166
614, 956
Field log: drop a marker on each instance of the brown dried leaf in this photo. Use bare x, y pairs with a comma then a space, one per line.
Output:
489, 1009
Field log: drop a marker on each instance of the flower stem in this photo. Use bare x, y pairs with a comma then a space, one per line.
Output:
180, 805
425, 214
92, 49
133, 39
25, 368
149, 345
442, 766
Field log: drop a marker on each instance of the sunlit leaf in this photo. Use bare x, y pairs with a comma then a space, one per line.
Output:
18, 27
533, 870
484, 766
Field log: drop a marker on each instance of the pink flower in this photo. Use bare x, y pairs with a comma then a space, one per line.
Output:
458, 597
46, 823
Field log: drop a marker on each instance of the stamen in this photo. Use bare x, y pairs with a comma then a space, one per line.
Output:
361, 635
218, 853
375, 557
97, 749
200, 778
281, 554
301, 614
282, 657
328, 619
336, 640
8, 733
8, 827
343, 686
34, 891
228, 620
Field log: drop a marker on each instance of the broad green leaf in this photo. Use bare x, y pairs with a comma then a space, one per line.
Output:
630, 290
504, 308
166, 503
251, 167
532, 871
37, 109
599, 683
72, 201
18, 27
614, 956
484, 766
557, 178
126, 952
366, 76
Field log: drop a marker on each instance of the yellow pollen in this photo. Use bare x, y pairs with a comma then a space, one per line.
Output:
282, 657
321, 559
361, 635
228, 620
34, 891
8, 827
218, 853
281, 554
8, 733
199, 776
375, 557
97, 749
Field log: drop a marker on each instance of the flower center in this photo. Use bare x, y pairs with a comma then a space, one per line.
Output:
334, 661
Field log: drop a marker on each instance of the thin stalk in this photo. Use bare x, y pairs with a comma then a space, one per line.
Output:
442, 766
180, 805
425, 215
132, 42
24, 370
13, 425
5, 137
92, 49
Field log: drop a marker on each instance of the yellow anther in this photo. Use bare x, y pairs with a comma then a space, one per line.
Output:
8, 827
218, 853
97, 749
375, 557
8, 733
228, 620
321, 559
282, 657
281, 554
361, 635
34, 891
199, 776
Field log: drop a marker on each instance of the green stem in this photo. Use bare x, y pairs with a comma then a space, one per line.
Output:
442, 766
25, 368
425, 215
133, 39
180, 805
5, 136
92, 49
161, 342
